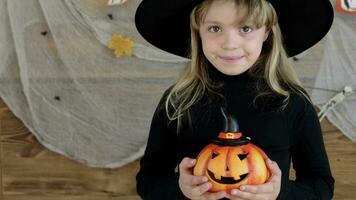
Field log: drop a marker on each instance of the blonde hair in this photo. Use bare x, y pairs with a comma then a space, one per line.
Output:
195, 81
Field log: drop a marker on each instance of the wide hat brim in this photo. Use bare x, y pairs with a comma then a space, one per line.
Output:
165, 23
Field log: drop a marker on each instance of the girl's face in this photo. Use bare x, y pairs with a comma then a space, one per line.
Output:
230, 45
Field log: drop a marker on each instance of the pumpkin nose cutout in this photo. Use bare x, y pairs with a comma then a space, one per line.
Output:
242, 156
227, 168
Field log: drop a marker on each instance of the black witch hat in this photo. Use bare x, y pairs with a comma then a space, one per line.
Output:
165, 23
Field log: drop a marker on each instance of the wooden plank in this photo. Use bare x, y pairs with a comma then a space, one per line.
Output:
29, 169
68, 197
342, 157
1, 160
5, 112
45, 172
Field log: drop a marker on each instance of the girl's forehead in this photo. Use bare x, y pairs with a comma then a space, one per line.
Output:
226, 12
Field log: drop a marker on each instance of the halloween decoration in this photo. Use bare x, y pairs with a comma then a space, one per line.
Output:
111, 17
231, 160
121, 45
346, 6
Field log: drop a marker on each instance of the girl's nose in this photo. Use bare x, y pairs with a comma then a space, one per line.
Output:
231, 40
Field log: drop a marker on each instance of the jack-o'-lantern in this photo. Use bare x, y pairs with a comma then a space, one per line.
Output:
231, 160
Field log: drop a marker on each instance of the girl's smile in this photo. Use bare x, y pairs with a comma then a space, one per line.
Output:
231, 59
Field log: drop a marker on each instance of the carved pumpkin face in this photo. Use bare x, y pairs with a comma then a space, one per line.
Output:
231, 160
229, 167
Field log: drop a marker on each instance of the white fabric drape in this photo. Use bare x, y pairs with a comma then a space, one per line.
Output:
328, 67
337, 70
69, 89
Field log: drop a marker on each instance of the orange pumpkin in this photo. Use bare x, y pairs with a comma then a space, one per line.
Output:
231, 160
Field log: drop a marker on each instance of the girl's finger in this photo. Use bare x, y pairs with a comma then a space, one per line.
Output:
275, 171
258, 189
238, 194
186, 165
201, 189
197, 180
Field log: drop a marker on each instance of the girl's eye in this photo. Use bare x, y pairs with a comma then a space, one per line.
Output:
246, 29
214, 29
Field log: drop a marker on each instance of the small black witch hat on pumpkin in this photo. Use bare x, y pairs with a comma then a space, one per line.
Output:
230, 135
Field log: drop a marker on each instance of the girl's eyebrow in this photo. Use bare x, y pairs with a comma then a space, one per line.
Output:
246, 22
211, 22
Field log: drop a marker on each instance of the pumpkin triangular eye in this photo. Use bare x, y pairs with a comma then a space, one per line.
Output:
242, 156
214, 155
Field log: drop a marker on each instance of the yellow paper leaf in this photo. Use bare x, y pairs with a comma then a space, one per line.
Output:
121, 45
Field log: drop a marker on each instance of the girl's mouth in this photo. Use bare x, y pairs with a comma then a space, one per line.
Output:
230, 59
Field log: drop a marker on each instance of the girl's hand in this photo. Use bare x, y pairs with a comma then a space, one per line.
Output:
266, 191
195, 187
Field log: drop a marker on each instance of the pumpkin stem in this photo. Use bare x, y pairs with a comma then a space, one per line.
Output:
230, 122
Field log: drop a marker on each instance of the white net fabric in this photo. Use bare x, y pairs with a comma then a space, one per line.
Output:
69, 89
337, 70
328, 67
58, 76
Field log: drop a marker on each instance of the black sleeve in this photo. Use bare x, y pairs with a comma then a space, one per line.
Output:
313, 176
157, 178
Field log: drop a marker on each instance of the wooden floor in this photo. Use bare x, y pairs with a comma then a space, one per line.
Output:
31, 172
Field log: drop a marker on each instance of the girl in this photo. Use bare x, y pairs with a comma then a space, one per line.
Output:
238, 61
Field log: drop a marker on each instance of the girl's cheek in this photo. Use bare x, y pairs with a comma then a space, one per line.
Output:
214, 41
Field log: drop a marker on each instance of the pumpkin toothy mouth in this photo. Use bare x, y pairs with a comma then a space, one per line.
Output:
226, 180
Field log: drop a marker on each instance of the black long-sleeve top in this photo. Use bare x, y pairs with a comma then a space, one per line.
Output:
292, 134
